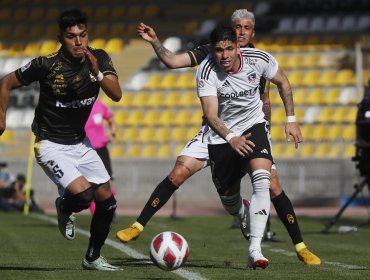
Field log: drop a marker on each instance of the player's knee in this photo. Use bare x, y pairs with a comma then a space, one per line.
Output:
178, 176
231, 203
260, 180
108, 205
80, 201
275, 187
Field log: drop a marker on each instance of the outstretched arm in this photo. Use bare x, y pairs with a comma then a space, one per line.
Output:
285, 91
7, 83
169, 59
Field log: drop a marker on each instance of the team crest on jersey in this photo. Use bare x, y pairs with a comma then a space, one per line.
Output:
251, 61
201, 84
252, 77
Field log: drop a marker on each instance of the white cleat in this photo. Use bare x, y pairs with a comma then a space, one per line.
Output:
65, 221
256, 259
99, 264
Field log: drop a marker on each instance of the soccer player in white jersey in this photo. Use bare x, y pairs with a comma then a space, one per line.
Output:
238, 141
194, 156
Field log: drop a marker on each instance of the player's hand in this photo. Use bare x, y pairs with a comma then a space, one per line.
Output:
146, 32
242, 145
292, 130
93, 62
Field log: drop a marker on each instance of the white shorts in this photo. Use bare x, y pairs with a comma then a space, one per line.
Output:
64, 163
195, 148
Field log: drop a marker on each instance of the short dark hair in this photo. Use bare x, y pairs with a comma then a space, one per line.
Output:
71, 18
223, 33
21, 178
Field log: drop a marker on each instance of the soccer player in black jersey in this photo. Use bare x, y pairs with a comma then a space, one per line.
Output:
188, 163
70, 80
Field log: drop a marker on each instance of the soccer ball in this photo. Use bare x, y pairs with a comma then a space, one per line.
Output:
169, 250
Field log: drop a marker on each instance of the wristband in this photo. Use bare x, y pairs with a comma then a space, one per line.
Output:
229, 136
100, 76
290, 119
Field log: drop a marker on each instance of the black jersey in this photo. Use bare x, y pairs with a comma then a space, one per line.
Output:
67, 94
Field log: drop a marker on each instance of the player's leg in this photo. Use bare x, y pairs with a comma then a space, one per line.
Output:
99, 229
285, 211
259, 209
185, 167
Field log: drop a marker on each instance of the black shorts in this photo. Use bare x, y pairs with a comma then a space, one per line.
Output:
227, 166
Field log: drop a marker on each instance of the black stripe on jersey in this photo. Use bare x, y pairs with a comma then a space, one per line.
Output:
210, 64
254, 51
257, 56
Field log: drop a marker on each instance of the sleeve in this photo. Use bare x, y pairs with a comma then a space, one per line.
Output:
105, 62
32, 71
267, 65
206, 83
198, 54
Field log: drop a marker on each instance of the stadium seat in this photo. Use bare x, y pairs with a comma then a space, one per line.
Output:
20, 14
164, 151
168, 81
182, 117
189, 99
101, 13
151, 118
306, 131
8, 137
171, 99
320, 133
146, 135
140, 99
36, 14
277, 133
331, 96
310, 78
114, 46
349, 133
324, 115
117, 30
166, 117
162, 135
351, 115
135, 118
306, 150
197, 118
294, 61
295, 78
334, 151
133, 151
98, 43
156, 99
48, 47
52, 14
185, 80
130, 134
153, 82
118, 12
321, 150
117, 151
126, 99
299, 96
149, 151
278, 149
278, 116
179, 134
290, 151
315, 97
334, 133
283, 59
311, 60
348, 95
177, 150
349, 151
134, 11
36, 32
121, 117
345, 77
327, 78
193, 131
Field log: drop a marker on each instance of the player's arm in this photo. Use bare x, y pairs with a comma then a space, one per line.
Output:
109, 83
286, 94
169, 59
7, 83
112, 126
240, 144
266, 107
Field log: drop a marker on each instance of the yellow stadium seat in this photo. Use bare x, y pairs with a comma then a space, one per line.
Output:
197, 117
278, 116
306, 150
153, 81
339, 114
334, 151
151, 118
135, 118
156, 99
282, 59
324, 115
188, 99
121, 117
168, 81
48, 47
117, 151
15, 49
334, 133
306, 131
146, 135
130, 134
192, 132
149, 151
349, 151
322, 150
119, 136
351, 115
166, 117
294, 61
140, 99
290, 151
177, 150
327, 78
179, 134
310, 78
295, 78
349, 133
277, 133
171, 99
315, 97
126, 100
320, 132
133, 151
8, 137
185, 80
331, 96
311, 60
345, 77
182, 117
164, 151
162, 135
278, 149
114, 46
98, 43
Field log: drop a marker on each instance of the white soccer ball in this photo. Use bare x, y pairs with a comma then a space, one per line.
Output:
169, 250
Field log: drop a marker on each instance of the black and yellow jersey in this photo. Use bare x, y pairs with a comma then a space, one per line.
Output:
67, 94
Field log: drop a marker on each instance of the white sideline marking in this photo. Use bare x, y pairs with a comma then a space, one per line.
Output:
338, 264
125, 249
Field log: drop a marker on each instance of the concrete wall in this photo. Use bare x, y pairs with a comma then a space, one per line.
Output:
307, 182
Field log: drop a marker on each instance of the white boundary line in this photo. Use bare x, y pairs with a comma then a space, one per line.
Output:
125, 249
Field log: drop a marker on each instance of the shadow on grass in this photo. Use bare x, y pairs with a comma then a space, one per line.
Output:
16, 268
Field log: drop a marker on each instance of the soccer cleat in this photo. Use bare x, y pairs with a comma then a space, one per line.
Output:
244, 221
65, 221
308, 257
131, 233
99, 264
256, 259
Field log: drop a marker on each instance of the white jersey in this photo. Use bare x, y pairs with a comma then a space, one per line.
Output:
240, 106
